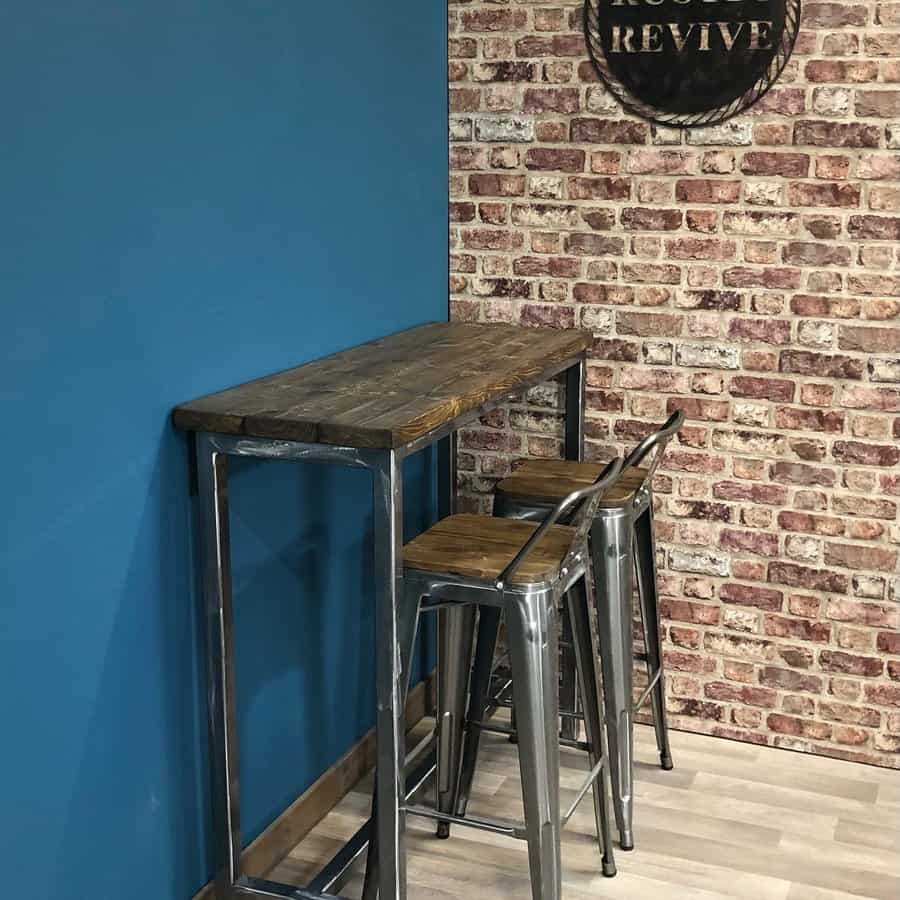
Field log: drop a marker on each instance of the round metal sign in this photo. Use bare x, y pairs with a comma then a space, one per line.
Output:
690, 62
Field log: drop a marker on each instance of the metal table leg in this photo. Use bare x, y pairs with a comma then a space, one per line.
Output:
390, 819
216, 576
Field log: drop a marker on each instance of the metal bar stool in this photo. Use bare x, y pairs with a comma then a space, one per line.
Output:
469, 563
621, 536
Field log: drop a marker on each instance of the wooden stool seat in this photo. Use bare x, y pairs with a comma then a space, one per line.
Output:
549, 480
482, 547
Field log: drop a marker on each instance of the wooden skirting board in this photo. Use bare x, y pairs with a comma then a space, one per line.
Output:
320, 798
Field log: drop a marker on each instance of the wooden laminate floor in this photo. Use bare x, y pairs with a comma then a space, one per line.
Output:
732, 820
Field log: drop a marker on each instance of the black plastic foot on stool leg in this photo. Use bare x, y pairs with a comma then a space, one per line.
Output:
609, 869
443, 830
665, 760
626, 841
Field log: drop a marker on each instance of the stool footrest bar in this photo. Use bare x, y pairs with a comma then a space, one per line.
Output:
496, 827
575, 745
643, 698
493, 729
420, 765
259, 887
592, 777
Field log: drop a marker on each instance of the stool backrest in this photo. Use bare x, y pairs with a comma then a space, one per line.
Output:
655, 442
586, 500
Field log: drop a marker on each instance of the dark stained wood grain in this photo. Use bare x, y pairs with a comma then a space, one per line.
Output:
550, 480
483, 546
389, 392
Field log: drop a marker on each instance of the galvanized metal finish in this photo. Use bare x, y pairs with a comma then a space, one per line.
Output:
395, 622
648, 591
530, 612
586, 648
456, 627
613, 564
216, 572
621, 537
479, 687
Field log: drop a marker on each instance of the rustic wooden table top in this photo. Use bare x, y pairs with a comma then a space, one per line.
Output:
388, 392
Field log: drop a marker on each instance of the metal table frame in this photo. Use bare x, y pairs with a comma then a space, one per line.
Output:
385, 465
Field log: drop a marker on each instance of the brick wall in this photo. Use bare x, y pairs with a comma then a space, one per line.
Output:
748, 274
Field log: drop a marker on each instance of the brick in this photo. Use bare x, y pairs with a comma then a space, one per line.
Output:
771, 494
750, 595
801, 253
703, 562
608, 131
808, 728
705, 190
643, 219
875, 166
834, 15
493, 20
773, 278
822, 365
883, 695
561, 100
884, 104
874, 228
649, 324
799, 629
544, 215
830, 193
749, 694
741, 647
734, 133
769, 224
833, 71
700, 248
850, 663
853, 715
556, 159
767, 331
853, 556
504, 128
599, 188
687, 611
858, 453
790, 680
594, 245
814, 579
787, 165
835, 134
775, 389
756, 542
494, 185
798, 473
659, 162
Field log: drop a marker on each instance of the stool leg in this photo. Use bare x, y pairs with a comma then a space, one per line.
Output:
583, 634
456, 632
568, 682
488, 628
533, 648
613, 562
514, 736
648, 590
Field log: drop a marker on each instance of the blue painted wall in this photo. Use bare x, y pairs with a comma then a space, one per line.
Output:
193, 194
